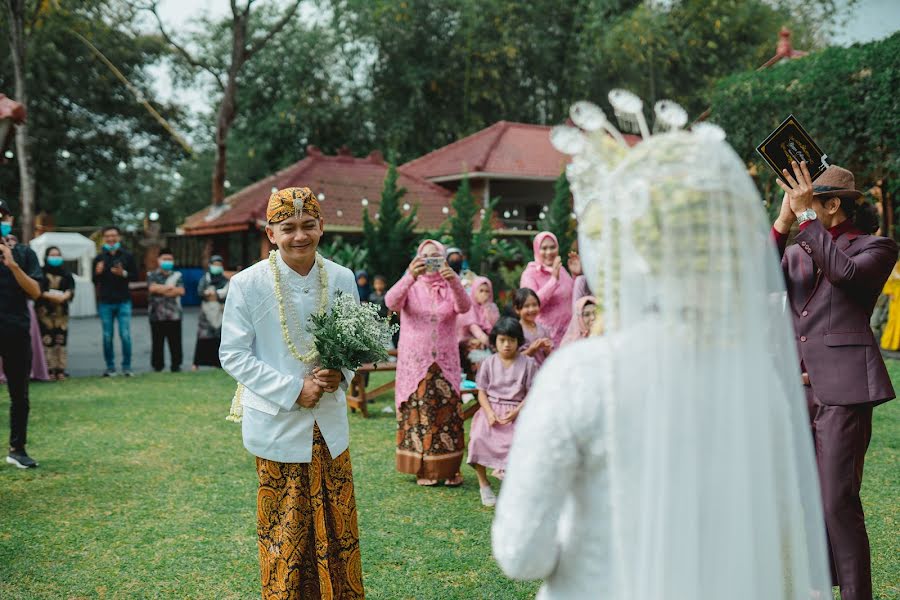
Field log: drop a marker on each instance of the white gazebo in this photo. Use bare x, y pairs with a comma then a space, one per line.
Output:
78, 252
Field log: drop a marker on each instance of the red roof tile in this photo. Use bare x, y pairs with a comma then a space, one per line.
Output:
505, 149
344, 181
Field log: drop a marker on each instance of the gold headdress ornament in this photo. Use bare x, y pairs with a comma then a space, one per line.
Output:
290, 202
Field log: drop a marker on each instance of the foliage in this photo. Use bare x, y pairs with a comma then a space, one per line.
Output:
844, 97
464, 207
559, 219
352, 256
480, 250
83, 122
390, 239
351, 334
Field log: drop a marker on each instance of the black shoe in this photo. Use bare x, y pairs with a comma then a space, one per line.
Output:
176, 369
20, 459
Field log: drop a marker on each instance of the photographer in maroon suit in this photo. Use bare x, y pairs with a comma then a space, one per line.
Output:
834, 274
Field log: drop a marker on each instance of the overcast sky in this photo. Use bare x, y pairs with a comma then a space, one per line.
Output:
870, 20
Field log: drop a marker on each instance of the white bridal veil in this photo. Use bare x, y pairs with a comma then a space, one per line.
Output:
714, 492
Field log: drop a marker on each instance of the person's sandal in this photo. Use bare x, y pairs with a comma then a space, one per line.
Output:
455, 482
426, 482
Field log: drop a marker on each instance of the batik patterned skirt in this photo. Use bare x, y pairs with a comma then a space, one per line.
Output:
307, 527
430, 434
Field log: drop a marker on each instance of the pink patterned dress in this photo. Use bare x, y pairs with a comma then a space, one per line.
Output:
430, 437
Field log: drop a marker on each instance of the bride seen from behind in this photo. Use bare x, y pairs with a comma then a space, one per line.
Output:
670, 458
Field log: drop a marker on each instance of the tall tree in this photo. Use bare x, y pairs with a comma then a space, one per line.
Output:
462, 217
245, 43
100, 155
558, 219
390, 238
20, 19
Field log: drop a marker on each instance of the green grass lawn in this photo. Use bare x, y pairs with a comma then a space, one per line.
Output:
145, 491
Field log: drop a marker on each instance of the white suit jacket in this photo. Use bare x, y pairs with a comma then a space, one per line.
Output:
253, 351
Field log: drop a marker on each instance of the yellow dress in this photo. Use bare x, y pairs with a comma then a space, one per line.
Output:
890, 339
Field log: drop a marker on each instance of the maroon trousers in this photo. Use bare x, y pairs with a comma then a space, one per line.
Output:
841, 435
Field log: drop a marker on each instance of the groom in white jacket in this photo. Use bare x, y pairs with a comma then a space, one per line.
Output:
295, 413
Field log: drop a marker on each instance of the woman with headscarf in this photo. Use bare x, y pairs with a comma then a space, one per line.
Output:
583, 319
52, 309
363, 286
477, 323
552, 283
212, 289
430, 436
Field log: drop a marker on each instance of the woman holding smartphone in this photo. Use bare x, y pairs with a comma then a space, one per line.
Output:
430, 437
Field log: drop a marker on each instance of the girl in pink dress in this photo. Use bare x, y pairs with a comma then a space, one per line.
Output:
477, 323
537, 340
582, 320
430, 436
503, 382
552, 283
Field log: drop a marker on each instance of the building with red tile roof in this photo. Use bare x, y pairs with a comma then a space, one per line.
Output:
513, 161
345, 185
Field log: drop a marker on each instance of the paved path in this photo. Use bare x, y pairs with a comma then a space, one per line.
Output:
86, 344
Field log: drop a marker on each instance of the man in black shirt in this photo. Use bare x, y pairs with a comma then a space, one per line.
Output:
114, 268
20, 277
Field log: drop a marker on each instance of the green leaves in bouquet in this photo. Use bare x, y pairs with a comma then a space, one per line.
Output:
351, 334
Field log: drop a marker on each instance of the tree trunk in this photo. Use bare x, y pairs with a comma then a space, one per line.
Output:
228, 108
16, 10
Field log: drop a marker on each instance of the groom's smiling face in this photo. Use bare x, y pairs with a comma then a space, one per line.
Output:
296, 237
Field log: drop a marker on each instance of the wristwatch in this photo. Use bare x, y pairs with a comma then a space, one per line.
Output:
807, 215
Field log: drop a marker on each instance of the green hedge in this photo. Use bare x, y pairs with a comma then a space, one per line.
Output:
847, 98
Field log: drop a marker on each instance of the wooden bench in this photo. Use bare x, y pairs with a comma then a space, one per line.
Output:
358, 396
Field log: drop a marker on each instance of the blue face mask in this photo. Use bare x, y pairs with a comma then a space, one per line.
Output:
55, 261
115, 246
5, 229
167, 265
216, 270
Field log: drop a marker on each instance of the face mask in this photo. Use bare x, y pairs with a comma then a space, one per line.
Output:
216, 270
55, 261
456, 265
5, 229
115, 246
167, 265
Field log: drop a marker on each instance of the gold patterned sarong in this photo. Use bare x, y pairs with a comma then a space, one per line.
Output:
307, 527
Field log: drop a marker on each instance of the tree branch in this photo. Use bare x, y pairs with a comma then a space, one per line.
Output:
260, 43
182, 50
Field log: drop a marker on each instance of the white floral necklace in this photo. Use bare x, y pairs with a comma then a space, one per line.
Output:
237, 408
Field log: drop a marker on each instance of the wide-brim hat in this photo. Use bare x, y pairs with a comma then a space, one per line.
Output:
836, 181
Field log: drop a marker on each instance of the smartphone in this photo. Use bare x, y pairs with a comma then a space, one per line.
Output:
433, 264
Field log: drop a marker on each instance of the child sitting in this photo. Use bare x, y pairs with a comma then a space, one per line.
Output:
583, 320
538, 342
503, 382
475, 326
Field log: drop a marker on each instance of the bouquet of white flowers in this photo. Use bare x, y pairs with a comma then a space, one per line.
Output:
350, 334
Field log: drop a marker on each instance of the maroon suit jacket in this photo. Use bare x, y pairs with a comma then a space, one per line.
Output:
832, 285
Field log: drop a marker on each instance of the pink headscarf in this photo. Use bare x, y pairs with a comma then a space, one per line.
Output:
485, 315
536, 247
577, 327
438, 284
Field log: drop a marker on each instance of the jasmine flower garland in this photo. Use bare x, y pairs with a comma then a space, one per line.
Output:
237, 410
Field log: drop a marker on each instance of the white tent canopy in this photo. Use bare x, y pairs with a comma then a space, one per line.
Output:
80, 250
